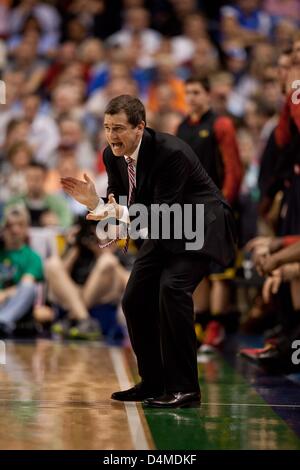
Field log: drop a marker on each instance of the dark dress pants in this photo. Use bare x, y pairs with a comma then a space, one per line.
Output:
158, 307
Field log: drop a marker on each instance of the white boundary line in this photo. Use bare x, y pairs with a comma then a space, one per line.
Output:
134, 420
251, 404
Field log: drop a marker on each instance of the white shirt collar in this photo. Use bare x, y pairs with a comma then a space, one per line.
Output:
135, 154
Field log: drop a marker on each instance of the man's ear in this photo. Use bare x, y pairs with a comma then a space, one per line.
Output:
141, 126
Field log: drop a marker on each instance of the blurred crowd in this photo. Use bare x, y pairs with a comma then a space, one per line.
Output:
61, 63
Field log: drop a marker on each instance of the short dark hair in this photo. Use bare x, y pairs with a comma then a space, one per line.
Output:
203, 81
132, 107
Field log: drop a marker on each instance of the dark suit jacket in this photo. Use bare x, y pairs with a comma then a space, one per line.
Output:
168, 171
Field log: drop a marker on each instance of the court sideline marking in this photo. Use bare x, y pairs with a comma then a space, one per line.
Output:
134, 420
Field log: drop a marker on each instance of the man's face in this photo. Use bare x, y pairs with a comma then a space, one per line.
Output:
15, 231
122, 137
70, 132
35, 180
197, 97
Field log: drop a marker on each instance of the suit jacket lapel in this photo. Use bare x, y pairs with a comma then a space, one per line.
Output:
144, 160
123, 171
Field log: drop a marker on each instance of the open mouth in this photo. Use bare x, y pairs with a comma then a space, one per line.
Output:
116, 145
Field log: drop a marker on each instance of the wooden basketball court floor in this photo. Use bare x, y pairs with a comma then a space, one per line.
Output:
56, 395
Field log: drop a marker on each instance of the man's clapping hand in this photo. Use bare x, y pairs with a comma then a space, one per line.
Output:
111, 209
83, 191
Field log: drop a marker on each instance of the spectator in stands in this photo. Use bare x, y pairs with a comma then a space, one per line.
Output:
271, 151
11, 108
183, 46
100, 17
282, 265
66, 101
72, 135
43, 131
44, 209
279, 258
86, 276
213, 139
46, 43
236, 62
46, 15
205, 60
136, 25
245, 21
168, 122
66, 166
285, 165
12, 176
75, 30
166, 75
224, 99
284, 32
20, 270
67, 54
25, 59
179, 11
270, 254
16, 130
260, 120
93, 56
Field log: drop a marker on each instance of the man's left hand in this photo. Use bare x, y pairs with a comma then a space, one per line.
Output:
111, 209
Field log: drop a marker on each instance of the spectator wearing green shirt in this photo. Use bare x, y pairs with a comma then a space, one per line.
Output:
44, 209
20, 270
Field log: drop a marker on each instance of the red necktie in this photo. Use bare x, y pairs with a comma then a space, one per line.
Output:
131, 179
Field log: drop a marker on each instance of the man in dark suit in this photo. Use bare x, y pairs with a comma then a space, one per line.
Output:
153, 168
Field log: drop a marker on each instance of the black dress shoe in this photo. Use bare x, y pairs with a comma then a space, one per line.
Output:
175, 400
137, 393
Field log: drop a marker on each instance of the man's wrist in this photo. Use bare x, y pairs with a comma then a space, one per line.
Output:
94, 204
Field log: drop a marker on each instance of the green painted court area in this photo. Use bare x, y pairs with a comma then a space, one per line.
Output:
233, 415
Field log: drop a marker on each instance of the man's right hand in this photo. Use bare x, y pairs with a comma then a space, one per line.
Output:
83, 191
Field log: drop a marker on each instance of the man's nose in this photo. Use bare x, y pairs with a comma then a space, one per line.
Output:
111, 134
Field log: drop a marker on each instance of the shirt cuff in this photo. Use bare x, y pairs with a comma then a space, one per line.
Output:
99, 206
125, 216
